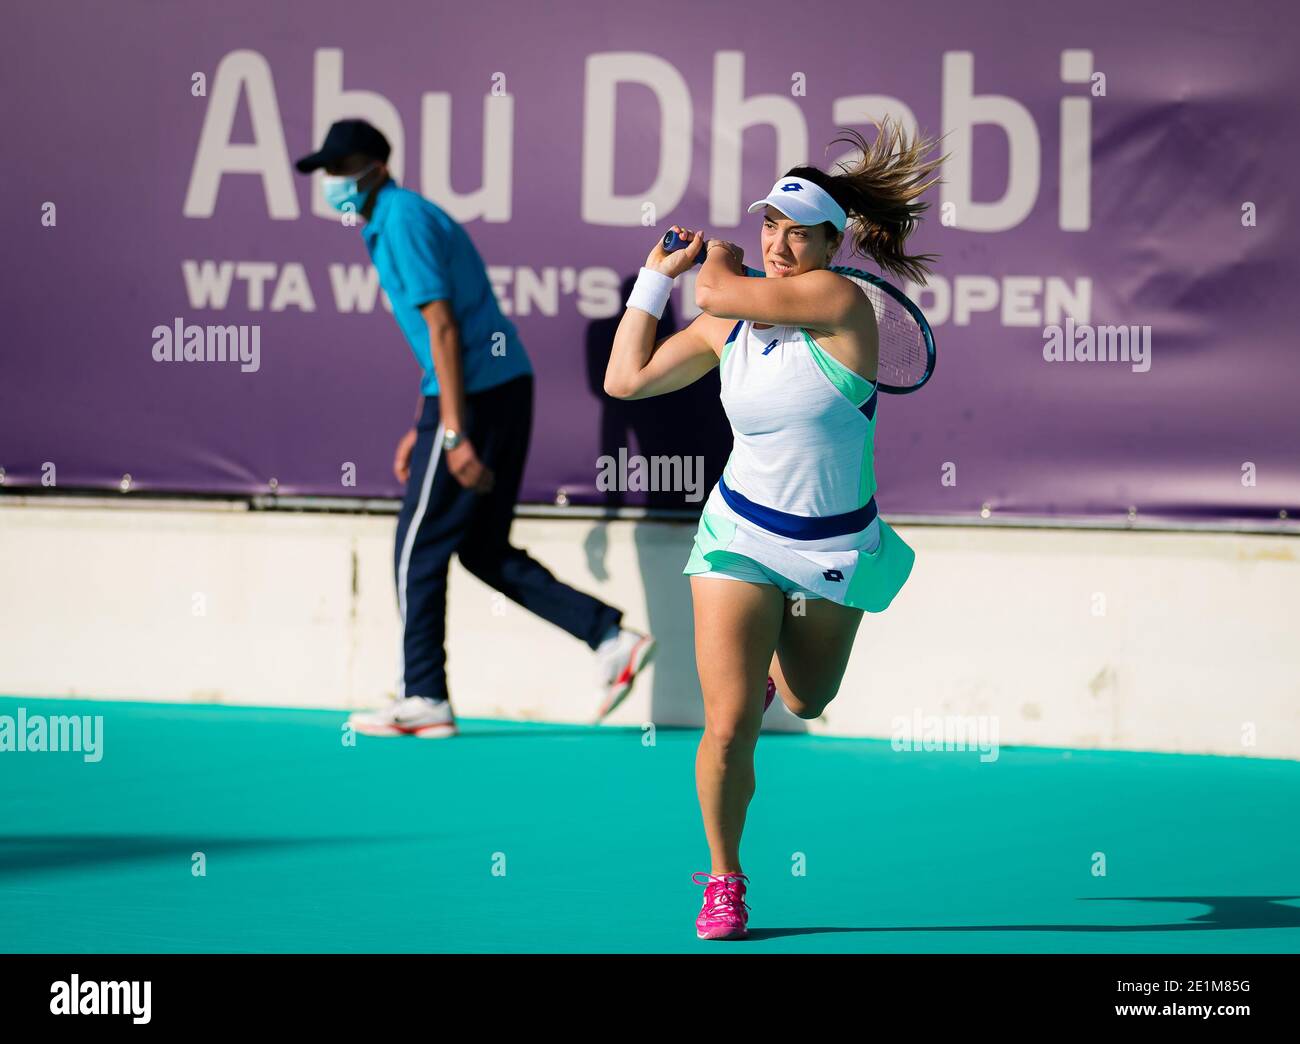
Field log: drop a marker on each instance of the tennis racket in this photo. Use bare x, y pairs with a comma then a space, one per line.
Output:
906, 341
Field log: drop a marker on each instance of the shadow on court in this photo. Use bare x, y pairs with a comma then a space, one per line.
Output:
1226, 913
25, 855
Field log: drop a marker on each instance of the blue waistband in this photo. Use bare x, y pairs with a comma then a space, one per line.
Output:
798, 527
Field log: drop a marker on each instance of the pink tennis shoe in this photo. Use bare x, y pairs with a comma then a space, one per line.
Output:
771, 693
725, 914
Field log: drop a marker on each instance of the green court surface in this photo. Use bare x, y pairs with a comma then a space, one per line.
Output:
399, 844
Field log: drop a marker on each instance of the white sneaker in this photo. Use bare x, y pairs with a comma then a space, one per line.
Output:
413, 716
620, 660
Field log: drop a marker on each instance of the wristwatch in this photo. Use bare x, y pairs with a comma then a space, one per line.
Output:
451, 439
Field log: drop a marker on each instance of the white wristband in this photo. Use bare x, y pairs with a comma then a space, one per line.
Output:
650, 293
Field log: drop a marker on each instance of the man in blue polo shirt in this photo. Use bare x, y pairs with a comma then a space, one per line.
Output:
463, 461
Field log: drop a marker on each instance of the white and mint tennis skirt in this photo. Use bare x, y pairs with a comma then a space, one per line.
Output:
862, 569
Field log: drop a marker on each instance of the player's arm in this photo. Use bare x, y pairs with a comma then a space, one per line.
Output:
639, 368
819, 299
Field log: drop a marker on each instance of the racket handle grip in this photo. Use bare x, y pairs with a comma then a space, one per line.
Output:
673, 242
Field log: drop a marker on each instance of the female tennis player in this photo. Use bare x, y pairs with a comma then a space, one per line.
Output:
789, 551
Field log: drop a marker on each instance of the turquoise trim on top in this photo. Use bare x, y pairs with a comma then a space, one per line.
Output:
856, 388
731, 340
860, 392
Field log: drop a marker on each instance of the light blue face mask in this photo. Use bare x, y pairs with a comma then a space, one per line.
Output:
339, 191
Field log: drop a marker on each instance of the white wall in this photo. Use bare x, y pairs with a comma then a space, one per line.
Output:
1134, 640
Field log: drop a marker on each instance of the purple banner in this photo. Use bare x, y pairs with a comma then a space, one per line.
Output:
1113, 306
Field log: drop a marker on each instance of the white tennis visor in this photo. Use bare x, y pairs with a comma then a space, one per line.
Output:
803, 202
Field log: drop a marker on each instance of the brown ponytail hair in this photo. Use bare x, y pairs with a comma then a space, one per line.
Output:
879, 192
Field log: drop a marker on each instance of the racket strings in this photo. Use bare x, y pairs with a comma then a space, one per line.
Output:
905, 352
903, 357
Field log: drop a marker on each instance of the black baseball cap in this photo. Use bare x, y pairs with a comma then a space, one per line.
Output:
344, 138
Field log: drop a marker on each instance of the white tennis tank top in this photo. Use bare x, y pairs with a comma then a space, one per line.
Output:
803, 424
